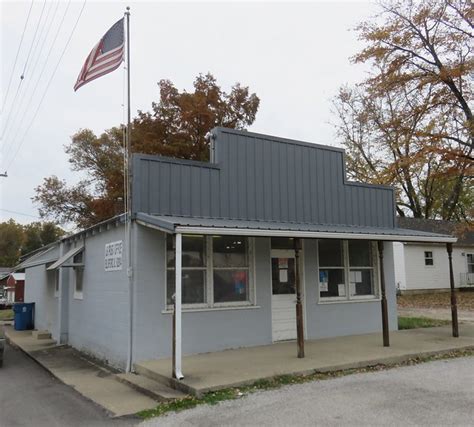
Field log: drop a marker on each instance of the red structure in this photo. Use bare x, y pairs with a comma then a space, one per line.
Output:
16, 287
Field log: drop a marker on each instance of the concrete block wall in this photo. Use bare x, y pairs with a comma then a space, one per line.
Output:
40, 289
98, 323
203, 330
331, 319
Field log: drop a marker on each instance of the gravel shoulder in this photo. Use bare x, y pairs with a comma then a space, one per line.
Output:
434, 393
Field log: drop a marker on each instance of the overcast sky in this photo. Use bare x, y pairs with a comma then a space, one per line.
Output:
295, 56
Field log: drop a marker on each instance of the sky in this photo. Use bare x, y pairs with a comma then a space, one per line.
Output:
294, 56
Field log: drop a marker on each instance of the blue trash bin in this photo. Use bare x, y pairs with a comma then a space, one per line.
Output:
24, 319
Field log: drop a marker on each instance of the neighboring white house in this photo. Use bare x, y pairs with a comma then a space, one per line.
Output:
424, 266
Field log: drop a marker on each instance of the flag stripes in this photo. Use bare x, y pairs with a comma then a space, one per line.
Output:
105, 57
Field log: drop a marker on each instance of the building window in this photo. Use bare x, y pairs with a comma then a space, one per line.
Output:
215, 271
429, 258
470, 263
331, 269
56, 282
346, 269
193, 270
361, 267
78, 274
230, 268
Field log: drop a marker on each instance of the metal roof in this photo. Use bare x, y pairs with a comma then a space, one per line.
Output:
68, 255
461, 231
174, 224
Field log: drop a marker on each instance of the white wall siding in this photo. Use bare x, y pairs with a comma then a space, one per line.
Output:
39, 288
420, 276
399, 265
98, 323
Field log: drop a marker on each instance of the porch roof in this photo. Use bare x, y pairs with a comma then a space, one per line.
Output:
196, 225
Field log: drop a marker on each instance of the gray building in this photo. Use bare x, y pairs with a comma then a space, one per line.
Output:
234, 245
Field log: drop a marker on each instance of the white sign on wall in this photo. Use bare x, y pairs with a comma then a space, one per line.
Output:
113, 256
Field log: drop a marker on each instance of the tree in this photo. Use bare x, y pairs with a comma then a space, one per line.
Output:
38, 234
11, 240
17, 240
410, 124
176, 126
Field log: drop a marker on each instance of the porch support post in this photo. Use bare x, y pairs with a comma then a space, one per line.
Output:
454, 307
386, 337
177, 311
299, 306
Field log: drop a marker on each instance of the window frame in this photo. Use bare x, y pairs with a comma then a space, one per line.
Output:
471, 255
56, 283
347, 268
425, 258
209, 274
78, 295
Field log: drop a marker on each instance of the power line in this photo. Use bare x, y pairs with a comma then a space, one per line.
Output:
22, 76
40, 76
6, 131
20, 213
16, 56
48, 85
34, 38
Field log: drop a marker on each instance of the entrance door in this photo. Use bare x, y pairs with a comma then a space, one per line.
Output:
283, 295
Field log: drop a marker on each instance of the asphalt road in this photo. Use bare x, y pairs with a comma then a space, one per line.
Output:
438, 393
30, 396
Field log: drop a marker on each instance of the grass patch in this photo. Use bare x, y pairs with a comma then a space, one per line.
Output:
6, 314
420, 322
213, 398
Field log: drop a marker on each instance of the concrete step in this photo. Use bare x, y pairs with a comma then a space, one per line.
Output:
167, 381
41, 335
150, 388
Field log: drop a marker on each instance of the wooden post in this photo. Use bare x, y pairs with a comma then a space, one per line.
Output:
386, 336
454, 306
299, 306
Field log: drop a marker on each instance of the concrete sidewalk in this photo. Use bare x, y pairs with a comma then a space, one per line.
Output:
96, 383
212, 371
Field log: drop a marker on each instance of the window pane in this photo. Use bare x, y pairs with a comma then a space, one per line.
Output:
330, 253
79, 271
230, 251
169, 251
360, 282
193, 286
470, 263
193, 251
230, 285
360, 253
332, 283
283, 276
78, 258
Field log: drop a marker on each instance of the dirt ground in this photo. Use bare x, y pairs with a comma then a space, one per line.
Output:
465, 301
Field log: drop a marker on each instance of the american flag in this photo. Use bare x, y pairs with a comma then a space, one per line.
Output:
105, 57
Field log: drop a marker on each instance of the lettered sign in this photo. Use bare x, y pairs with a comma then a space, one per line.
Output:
113, 256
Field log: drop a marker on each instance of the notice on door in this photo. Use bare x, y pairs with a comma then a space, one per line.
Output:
113, 256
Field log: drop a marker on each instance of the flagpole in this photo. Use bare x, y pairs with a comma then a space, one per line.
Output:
128, 206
